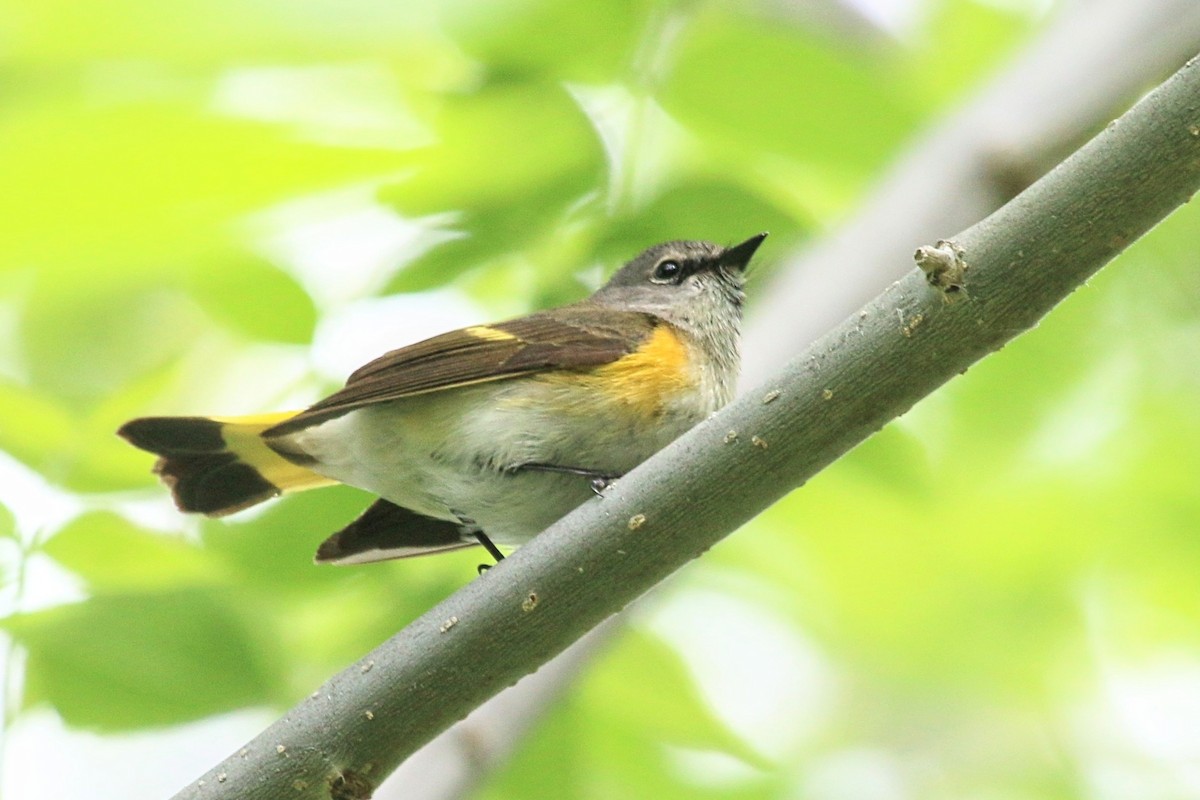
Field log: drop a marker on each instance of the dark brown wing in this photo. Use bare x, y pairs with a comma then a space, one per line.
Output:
574, 337
385, 530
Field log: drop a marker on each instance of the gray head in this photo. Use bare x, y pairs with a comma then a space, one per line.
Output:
686, 282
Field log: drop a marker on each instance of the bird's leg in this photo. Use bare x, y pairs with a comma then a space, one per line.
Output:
470, 527
488, 545
598, 481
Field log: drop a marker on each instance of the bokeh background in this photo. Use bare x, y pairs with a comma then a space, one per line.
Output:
224, 206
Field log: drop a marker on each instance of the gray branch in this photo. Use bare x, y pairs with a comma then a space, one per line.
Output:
1066, 83
461, 757
1014, 267
1090, 63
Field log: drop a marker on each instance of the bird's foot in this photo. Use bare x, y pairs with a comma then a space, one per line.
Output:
598, 481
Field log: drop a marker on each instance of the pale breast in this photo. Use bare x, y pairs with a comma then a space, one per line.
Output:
458, 453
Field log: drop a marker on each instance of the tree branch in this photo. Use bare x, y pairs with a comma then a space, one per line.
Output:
345, 738
1067, 83
461, 757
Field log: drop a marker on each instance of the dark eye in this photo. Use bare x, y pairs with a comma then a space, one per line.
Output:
667, 270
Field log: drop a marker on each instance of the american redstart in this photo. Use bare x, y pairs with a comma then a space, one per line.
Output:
492, 432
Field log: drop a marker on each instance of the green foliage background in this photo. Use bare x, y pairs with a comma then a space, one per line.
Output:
996, 596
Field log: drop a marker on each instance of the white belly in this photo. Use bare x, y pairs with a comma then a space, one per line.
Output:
451, 455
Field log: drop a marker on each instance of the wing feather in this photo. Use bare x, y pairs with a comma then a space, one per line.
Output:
574, 337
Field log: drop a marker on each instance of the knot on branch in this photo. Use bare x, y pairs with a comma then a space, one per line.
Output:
350, 785
944, 267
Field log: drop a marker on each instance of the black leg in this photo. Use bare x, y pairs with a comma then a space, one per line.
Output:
598, 481
493, 551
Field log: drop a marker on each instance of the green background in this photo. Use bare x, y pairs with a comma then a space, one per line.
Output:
215, 207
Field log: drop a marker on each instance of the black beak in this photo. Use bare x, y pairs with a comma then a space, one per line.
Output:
739, 256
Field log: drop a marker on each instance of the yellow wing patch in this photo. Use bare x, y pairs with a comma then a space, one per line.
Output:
488, 333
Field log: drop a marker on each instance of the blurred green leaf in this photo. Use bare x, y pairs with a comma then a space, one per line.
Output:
113, 555
46, 428
699, 208
505, 144
515, 161
780, 91
1157, 283
254, 297
489, 236
82, 342
67, 446
968, 573
97, 356
961, 43
1008, 399
214, 32
273, 549
443, 264
118, 662
643, 683
895, 459
100, 193
594, 753
96, 459
324, 615
545, 36
971, 582
555, 747
8, 524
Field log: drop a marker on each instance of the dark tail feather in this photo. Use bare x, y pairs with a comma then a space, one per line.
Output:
214, 484
217, 466
386, 530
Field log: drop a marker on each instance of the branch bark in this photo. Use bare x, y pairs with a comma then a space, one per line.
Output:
461, 758
1074, 77
1024, 259
1091, 61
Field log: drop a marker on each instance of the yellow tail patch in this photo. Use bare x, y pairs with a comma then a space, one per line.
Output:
243, 436
219, 465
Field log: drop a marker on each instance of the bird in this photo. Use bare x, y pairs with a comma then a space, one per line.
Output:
487, 434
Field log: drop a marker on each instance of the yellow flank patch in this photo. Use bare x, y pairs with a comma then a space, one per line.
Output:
488, 334
243, 436
651, 375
